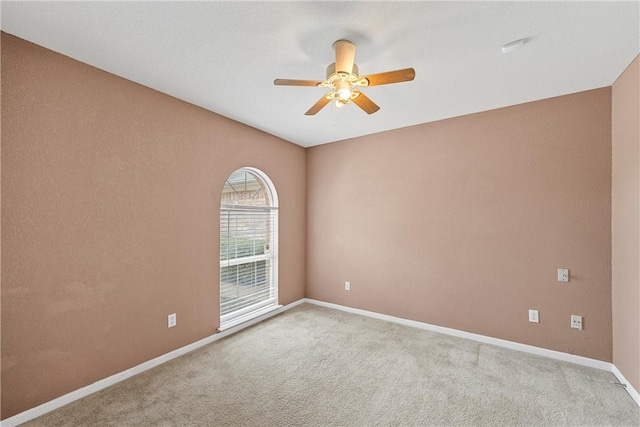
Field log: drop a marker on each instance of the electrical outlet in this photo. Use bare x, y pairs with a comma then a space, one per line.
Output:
171, 320
347, 286
576, 322
563, 275
533, 316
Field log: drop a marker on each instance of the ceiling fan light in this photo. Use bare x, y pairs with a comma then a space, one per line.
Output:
344, 94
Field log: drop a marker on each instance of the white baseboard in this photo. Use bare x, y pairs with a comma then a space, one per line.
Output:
552, 354
40, 410
632, 391
58, 402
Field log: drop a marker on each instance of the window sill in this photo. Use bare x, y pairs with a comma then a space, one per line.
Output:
249, 316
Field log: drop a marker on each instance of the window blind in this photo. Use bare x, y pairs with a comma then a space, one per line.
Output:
247, 247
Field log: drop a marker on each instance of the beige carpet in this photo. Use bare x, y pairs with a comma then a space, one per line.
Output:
315, 366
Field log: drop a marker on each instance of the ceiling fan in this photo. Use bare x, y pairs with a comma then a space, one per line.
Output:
343, 80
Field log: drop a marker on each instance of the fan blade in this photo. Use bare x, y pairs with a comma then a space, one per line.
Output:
363, 101
345, 56
389, 77
320, 104
289, 82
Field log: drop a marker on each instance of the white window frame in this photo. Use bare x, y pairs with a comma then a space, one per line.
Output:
250, 312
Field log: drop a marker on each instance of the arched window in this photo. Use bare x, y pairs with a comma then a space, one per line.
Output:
248, 247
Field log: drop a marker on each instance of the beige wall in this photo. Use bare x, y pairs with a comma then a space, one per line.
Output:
110, 197
110, 194
463, 223
625, 222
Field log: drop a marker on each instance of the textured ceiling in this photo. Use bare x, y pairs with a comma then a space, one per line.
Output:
223, 56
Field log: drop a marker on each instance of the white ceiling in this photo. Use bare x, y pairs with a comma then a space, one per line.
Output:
224, 56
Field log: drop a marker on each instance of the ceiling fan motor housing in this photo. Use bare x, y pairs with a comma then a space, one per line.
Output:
333, 76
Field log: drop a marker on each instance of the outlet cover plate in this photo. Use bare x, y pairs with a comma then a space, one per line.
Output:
576, 322
534, 317
563, 275
171, 320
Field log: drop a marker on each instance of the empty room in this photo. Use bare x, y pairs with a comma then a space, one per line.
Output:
320, 213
